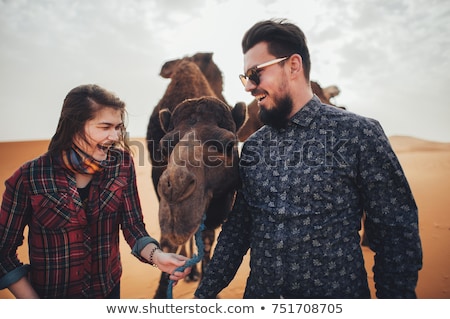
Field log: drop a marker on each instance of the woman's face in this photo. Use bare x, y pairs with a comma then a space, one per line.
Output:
101, 132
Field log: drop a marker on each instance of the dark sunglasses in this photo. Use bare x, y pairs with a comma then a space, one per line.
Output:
252, 74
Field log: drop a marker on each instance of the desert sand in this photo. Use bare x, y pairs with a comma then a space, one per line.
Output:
427, 167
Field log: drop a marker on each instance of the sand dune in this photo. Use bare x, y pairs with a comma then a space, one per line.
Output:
426, 164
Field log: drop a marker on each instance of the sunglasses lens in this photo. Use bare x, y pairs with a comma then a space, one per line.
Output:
253, 76
243, 79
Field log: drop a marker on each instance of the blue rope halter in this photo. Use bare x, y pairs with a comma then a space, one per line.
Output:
195, 258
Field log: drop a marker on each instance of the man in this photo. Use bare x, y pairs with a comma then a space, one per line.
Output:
307, 177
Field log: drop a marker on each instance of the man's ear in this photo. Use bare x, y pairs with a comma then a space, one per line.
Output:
296, 63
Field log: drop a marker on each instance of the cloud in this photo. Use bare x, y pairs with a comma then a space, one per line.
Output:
389, 58
48, 47
391, 61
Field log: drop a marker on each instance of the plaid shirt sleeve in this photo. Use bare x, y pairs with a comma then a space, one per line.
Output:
14, 216
133, 225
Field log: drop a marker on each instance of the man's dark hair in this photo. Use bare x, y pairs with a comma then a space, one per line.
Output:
283, 39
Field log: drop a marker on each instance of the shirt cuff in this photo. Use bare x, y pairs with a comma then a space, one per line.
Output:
140, 244
14, 276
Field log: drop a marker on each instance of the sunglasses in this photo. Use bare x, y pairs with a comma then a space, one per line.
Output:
252, 74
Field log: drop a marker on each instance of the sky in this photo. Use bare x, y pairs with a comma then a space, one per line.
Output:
389, 58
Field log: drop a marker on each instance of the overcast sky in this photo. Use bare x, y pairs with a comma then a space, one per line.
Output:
389, 58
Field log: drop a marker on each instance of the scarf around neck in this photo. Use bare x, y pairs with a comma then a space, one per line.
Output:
76, 160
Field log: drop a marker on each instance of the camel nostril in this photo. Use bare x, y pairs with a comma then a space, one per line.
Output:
187, 186
177, 185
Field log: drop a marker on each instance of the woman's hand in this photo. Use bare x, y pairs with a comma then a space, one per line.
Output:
168, 262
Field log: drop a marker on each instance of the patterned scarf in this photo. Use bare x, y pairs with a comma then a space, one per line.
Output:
79, 162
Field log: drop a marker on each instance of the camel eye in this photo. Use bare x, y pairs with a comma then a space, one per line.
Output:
168, 143
192, 121
164, 151
214, 146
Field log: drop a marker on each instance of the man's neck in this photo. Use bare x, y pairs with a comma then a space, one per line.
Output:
300, 98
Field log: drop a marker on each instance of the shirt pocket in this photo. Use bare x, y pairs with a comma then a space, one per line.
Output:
51, 210
111, 197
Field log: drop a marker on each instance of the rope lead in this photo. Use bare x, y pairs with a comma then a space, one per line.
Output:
195, 258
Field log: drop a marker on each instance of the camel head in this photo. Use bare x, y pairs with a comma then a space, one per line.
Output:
202, 171
204, 60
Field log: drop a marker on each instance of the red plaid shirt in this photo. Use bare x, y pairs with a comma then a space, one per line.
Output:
74, 252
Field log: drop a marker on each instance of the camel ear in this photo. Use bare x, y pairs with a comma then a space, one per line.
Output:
239, 112
164, 119
202, 57
208, 56
168, 68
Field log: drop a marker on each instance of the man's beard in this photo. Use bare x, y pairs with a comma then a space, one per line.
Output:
278, 116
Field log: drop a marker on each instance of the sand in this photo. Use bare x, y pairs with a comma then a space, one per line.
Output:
427, 167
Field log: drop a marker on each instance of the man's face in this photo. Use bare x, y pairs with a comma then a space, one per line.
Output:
272, 92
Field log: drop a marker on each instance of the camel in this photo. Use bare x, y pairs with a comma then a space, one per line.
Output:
202, 173
326, 94
187, 81
191, 77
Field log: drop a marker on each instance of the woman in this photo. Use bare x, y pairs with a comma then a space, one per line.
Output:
73, 199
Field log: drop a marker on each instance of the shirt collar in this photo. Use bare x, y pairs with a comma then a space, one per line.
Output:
307, 113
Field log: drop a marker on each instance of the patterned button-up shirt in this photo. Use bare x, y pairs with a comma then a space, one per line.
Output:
304, 191
74, 252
